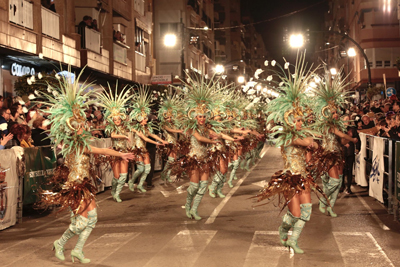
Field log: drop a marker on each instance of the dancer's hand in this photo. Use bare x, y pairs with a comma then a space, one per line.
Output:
127, 156
165, 142
355, 140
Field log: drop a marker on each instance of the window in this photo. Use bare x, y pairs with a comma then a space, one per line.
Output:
387, 64
378, 63
141, 41
166, 28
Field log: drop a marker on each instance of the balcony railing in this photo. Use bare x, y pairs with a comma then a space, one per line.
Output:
92, 40
139, 6
50, 23
120, 53
21, 13
140, 61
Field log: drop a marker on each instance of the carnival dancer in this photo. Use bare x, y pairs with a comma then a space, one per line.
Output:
76, 193
142, 130
238, 131
330, 97
118, 128
167, 115
222, 152
294, 183
200, 97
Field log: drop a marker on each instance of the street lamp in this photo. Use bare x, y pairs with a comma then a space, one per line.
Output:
296, 40
219, 69
351, 52
333, 71
170, 40
240, 79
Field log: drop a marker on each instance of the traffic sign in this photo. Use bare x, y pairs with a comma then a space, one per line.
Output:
390, 91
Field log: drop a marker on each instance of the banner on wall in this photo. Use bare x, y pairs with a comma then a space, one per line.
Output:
360, 176
39, 167
8, 189
377, 170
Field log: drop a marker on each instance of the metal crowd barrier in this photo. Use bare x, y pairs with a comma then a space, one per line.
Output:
391, 203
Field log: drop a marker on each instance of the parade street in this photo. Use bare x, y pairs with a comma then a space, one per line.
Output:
150, 229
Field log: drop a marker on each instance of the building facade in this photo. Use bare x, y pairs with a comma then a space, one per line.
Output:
35, 37
189, 26
374, 26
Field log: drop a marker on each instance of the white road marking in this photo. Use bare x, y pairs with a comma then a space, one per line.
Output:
265, 248
372, 213
178, 190
357, 248
183, 250
218, 209
107, 245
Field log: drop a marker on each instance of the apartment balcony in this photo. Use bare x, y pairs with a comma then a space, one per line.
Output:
97, 61
63, 51
50, 23
122, 65
123, 70
140, 61
91, 40
15, 33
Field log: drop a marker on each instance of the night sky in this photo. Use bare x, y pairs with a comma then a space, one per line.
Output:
272, 32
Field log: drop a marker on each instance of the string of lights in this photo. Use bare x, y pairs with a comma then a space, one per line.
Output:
258, 22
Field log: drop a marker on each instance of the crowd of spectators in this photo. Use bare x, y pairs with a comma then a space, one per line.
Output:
379, 117
25, 124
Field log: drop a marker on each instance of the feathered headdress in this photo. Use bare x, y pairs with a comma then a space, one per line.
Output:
115, 106
289, 105
169, 107
66, 105
141, 107
330, 97
201, 97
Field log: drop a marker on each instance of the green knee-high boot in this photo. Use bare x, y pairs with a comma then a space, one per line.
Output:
221, 185
191, 192
59, 244
114, 184
138, 172
288, 220
120, 185
197, 199
212, 189
322, 203
298, 227
239, 161
244, 161
83, 236
165, 174
235, 166
147, 169
334, 187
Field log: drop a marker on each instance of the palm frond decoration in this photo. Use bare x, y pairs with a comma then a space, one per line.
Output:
115, 106
66, 104
291, 102
330, 96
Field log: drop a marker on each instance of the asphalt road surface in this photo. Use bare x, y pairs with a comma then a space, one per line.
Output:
151, 229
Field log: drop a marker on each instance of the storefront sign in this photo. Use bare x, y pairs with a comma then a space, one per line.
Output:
19, 70
161, 79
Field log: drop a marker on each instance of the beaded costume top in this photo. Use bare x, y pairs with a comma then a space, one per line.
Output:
198, 148
294, 159
120, 144
78, 165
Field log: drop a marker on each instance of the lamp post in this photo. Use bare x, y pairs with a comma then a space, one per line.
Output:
369, 83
